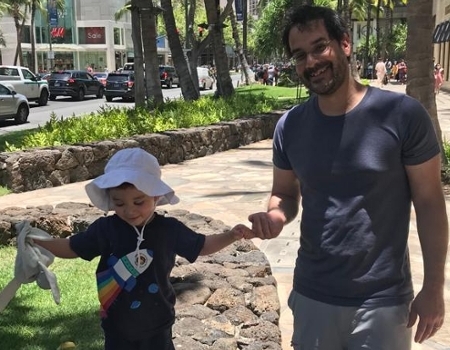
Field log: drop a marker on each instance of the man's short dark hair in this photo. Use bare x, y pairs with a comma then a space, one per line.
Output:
302, 17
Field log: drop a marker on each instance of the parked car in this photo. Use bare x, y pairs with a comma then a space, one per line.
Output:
168, 76
75, 83
13, 105
25, 82
101, 77
120, 85
44, 76
205, 80
129, 67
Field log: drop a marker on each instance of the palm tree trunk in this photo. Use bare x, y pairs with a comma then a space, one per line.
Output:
385, 47
378, 27
136, 35
420, 60
224, 84
188, 89
18, 55
152, 81
248, 76
369, 20
32, 38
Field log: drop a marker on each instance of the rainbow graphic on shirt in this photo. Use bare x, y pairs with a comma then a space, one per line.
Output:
121, 274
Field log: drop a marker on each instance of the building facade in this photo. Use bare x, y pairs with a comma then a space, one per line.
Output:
441, 35
82, 35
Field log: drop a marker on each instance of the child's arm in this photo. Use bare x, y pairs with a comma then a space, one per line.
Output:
216, 242
59, 247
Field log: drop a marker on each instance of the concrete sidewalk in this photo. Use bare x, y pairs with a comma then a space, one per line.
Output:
229, 186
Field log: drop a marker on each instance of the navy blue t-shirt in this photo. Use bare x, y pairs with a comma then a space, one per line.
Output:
136, 297
355, 195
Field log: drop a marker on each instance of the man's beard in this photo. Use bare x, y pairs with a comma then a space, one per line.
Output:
327, 86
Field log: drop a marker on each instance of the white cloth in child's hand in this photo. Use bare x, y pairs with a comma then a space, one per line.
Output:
31, 264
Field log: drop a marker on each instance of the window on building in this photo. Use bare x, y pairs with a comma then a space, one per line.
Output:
26, 35
117, 36
91, 35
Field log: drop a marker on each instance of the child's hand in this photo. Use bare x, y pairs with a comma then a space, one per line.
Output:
241, 231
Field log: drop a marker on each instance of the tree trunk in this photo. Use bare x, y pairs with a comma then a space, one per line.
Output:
153, 89
224, 84
32, 38
419, 56
378, 29
249, 76
136, 35
369, 20
19, 27
188, 89
385, 45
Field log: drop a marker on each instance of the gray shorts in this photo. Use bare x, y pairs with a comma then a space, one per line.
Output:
320, 326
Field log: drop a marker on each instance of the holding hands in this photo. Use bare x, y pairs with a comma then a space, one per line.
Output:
265, 225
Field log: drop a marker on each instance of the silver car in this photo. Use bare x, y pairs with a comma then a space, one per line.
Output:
13, 105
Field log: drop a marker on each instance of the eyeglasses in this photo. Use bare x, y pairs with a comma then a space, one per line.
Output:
299, 58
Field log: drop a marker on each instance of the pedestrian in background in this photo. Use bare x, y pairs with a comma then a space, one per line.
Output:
402, 71
380, 68
357, 157
394, 72
438, 77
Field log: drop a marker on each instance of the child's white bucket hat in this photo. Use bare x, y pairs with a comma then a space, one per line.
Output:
134, 166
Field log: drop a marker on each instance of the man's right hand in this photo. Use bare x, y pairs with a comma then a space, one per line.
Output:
267, 225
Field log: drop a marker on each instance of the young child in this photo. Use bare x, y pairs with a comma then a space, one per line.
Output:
137, 249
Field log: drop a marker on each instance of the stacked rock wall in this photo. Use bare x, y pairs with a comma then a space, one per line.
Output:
55, 166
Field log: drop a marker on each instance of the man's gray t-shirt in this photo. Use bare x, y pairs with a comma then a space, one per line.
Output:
356, 199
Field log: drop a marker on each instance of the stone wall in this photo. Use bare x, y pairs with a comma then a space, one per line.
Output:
225, 301
55, 166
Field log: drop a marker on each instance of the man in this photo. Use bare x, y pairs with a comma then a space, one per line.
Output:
357, 156
380, 68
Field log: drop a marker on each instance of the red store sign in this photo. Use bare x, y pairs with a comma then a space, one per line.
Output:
94, 35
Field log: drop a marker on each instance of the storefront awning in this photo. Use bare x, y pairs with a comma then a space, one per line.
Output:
441, 33
61, 48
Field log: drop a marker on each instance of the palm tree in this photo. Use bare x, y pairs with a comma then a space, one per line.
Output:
188, 88
4, 7
419, 55
41, 6
136, 35
148, 14
249, 78
18, 9
147, 83
215, 19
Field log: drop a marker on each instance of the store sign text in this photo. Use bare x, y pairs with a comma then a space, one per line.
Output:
95, 35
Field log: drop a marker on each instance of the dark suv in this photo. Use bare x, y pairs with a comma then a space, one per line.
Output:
168, 76
75, 83
120, 85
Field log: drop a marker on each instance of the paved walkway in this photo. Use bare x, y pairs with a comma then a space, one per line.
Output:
230, 185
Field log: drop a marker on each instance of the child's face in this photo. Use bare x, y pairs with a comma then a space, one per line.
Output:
132, 205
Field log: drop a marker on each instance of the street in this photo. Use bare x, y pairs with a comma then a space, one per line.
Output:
66, 107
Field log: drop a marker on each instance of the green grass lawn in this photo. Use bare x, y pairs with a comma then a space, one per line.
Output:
32, 320
274, 91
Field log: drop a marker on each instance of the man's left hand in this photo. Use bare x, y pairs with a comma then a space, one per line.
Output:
430, 308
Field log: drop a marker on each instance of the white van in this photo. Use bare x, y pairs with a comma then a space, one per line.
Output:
205, 80
129, 66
